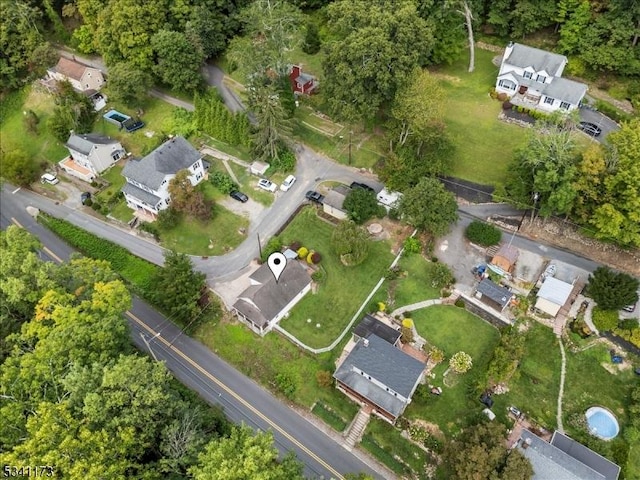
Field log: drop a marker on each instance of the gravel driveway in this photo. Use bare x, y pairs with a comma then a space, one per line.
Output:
250, 209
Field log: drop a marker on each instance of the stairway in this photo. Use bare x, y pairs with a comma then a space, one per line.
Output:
357, 427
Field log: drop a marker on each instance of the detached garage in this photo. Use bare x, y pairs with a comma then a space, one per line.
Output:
553, 295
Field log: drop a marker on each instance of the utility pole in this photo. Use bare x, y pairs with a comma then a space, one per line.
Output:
536, 196
259, 246
350, 133
144, 339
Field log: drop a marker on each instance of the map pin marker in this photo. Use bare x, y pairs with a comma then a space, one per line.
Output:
276, 262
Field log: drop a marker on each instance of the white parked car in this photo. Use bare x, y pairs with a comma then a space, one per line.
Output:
267, 185
49, 178
288, 183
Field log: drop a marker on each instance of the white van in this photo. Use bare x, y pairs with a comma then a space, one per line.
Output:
49, 178
388, 198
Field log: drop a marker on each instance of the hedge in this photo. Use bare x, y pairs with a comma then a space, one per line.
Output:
133, 269
483, 233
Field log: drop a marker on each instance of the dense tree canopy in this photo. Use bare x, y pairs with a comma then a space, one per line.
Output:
429, 207
361, 205
612, 290
350, 243
375, 50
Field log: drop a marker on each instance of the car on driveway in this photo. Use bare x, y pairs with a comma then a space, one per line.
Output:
288, 183
267, 185
364, 186
590, 128
314, 196
84, 197
630, 308
236, 195
49, 178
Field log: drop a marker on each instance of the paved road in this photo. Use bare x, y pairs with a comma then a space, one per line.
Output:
214, 379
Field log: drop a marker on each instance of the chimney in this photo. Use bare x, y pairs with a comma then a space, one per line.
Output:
365, 342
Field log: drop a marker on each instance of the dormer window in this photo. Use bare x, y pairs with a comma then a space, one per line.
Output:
527, 74
541, 79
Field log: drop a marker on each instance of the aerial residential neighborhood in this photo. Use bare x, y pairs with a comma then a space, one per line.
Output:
320, 239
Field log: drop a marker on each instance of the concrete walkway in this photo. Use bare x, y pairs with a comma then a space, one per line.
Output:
416, 306
214, 152
560, 427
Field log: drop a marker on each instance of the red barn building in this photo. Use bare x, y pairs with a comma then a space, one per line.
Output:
302, 82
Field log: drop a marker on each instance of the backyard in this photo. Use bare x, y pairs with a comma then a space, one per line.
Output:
453, 329
344, 288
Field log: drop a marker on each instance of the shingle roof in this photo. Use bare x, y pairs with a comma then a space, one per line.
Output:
335, 197
263, 301
509, 253
170, 157
384, 363
555, 291
495, 292
565, 90
70, 69
604, 467
524, 56
85, 142
140, 194
549, 462
371, 325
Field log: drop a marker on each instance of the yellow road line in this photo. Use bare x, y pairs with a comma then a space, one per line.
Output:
16, 222
237, 397
45, 249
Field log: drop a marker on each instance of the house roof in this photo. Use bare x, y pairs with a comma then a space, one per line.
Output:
140, 194
549, 462
384, 363
524, 56
588, 457
335, 197
509, 253
304, 78
565, 90
555, 291
495, 292
70, 69
371, 325
170, 157
85, 142
265, 298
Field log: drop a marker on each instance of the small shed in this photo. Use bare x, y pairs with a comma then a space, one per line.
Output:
334, 200
553, 295
493, 294
505, 258
258, 168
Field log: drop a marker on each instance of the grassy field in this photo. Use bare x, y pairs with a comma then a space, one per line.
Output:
484, 145
453, 329
416, 286
41, 147
344, 290
329, 417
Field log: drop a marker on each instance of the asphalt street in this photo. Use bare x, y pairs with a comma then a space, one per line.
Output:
215, 380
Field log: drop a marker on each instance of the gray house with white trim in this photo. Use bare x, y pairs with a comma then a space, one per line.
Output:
148, 178
533, 79
94, 152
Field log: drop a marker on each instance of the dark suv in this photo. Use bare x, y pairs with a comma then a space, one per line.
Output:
241, 197
314, 196
362, 186
590, 128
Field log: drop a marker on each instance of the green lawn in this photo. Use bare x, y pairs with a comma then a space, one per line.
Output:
121, 211
416, 286
453, 329
534, 387
262, 358
248, 184
240, 152
484, 145
344, 290
41, 147
214, 237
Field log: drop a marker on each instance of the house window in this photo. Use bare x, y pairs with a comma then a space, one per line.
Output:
549, 100
564, 105
527, 74
115, 156
509, 85
198, 177
541, 79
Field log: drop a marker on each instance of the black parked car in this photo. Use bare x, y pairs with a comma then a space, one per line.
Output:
362, 185
236, 195
84, 197
314, 196
590, 128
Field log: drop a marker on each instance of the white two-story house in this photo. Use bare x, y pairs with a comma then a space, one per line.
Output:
147, 187
533, 79
91, 154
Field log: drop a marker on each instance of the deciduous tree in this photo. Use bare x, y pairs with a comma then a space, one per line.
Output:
18, 168
177, 61
128, 84
350, 243
188, 199
361, 205
460, 362
429, 207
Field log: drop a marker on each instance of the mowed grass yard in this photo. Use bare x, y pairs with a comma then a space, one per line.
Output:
453, 329
41, 147
344, 289
484, 145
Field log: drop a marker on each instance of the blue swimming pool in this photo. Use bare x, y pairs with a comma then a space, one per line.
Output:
602, 423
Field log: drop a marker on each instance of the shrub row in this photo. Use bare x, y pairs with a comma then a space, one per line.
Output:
329, 417
483, 233
133, 269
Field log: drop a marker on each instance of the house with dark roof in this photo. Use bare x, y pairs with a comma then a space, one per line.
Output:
265, 302
82, 77
90, 154
377, 374
533, 79
148, 179
371, 325
493, 294
334, 200
302, 83
564, 459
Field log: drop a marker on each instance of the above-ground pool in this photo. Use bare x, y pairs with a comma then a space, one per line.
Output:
602, 423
